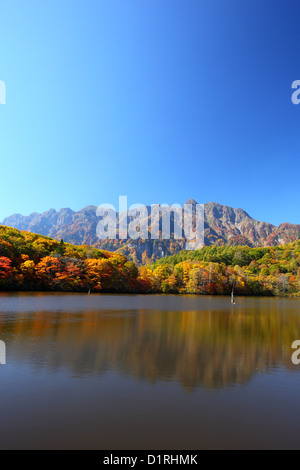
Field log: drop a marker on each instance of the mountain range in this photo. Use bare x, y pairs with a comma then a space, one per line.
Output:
224, 225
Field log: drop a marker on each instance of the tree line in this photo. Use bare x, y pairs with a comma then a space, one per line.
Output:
33, 262
218, 270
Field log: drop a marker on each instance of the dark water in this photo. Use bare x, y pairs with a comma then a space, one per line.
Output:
148, 372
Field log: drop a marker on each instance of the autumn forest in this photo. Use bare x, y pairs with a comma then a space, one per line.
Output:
36, 263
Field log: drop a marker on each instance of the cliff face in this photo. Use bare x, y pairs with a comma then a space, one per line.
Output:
44, 224
226, 225
223, 226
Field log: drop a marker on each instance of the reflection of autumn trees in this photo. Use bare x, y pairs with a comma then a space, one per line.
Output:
195, 348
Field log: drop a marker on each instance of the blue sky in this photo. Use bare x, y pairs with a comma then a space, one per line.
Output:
158, 100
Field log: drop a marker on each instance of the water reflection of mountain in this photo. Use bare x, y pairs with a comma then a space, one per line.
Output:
195, 348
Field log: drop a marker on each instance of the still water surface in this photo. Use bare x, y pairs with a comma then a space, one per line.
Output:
148, 372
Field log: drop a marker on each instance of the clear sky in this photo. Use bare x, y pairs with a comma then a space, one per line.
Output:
159, 100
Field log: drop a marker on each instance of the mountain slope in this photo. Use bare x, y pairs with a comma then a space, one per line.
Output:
224, 225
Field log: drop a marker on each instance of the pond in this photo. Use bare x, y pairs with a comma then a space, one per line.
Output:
148, 372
